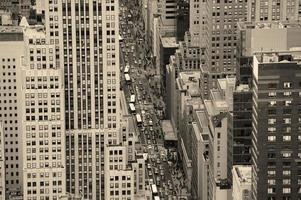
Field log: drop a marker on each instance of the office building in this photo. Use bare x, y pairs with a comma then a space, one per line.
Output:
2, 163
11, 51
253, 37
276, 131
41, 95
275, 10
86, 39
242, 177
220, 25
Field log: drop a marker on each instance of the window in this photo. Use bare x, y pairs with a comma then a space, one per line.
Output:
271, 181
272, 103
287, 84
272, 121
286, 190
271, 138
286, 138
286, 155
272, 94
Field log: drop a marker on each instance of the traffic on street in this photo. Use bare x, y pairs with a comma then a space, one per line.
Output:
146, 106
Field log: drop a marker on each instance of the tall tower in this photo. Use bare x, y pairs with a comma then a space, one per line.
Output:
218, 26
85, 34
276, 137
41, 95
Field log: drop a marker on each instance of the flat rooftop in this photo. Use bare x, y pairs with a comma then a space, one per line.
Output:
294, 55
11, 29
169, 42
189, 80
169, 133
244, 173
268, 25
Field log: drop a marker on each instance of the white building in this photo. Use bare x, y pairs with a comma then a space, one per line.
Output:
242, 182
2, 164
11, 50
41, 95
86, 39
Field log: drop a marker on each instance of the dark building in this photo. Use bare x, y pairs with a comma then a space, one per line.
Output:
276, 134
182, 19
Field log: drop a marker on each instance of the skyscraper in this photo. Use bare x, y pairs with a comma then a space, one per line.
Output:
276, 121
41, 117
11, 51
218, 28
85, 35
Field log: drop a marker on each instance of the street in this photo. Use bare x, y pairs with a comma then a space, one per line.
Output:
148, 104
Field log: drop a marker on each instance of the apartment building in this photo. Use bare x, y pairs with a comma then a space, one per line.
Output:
276, 125
41, 117
11, 51
85, 35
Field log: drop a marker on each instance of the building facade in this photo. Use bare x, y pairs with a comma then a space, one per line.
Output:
2, 164
275, 10
86, 39
12, 49
241, 189
276, 125
41, 95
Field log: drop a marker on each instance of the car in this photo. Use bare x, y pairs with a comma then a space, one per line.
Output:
158, 161
161, 167
149, 142
151, 128
149, 166
162, 172
150, 173
154, 141
156, 171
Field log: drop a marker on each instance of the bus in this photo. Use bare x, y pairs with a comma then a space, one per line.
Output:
133, 99
139, 119
126, 69
127, 79
154, 190
132, 108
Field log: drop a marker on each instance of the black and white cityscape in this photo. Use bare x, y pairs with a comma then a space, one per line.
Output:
150, 99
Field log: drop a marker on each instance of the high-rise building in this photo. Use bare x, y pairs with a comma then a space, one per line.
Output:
276, 125
41, 118
253, 37
86, 39
273, 10
11, 51
2, 164
219, 24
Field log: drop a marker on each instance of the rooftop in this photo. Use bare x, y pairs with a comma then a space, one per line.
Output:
10, 29
169, 42
243, 88
244, 173
189, 80
268, 25
294, 55
169, 133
